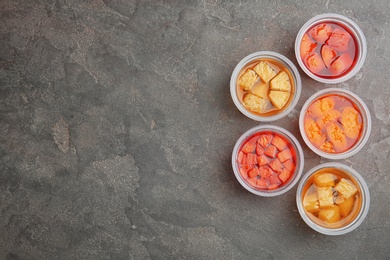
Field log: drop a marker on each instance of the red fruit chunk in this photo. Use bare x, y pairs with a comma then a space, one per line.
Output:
321, 32
284, 175
279, 142
289, 165
251, 160
244, 172
314, 63
276, 165
265, 140
253, 181
252, 173
262, 183
241, 157
250, 145
328, 55
339, 40
271, 151
274, 179
262, 160
307, 46
284, 155
341, 64
259, 149
265, 171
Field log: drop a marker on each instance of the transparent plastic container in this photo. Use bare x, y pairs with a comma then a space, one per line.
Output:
349, 221
297, 159
358, 104
278, 60
351, 27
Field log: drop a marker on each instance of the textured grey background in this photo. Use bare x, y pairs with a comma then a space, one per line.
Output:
117, 127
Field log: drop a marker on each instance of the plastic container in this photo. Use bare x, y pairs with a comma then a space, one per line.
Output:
357, 47
276, 181
343, 99
262, 88
350, 215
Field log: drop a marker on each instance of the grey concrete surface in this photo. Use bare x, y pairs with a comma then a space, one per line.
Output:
117, 127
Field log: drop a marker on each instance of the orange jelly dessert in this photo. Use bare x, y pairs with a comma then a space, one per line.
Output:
331, 198
333, 123
266, 160
328, 50
265, 87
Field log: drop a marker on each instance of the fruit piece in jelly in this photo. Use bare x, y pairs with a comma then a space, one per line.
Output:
336, 136
319, 107
278, 98
314, 63
350, 122
313, 132
281, 82
255, 103
307, 46
321, 32
346, 188
325, 196
330, 215
324, 179
265, 71
341, 64
328, 55
339, 40
248, 79
346, 206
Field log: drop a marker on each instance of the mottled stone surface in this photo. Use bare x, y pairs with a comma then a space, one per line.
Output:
117, 127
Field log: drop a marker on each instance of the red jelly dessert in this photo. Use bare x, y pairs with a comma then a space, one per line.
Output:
328, 50
267, 160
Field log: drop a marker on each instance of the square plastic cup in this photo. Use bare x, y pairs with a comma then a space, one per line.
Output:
267, 160
330, 48
265, 86
332, 198
335, 123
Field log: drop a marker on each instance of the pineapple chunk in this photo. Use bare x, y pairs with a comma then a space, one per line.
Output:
325, 196
255, 103
248, 79
310, 202
324, 179
278, 98
346, 188
265, 71
260, 90
281, 82
346, 206
330, 215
